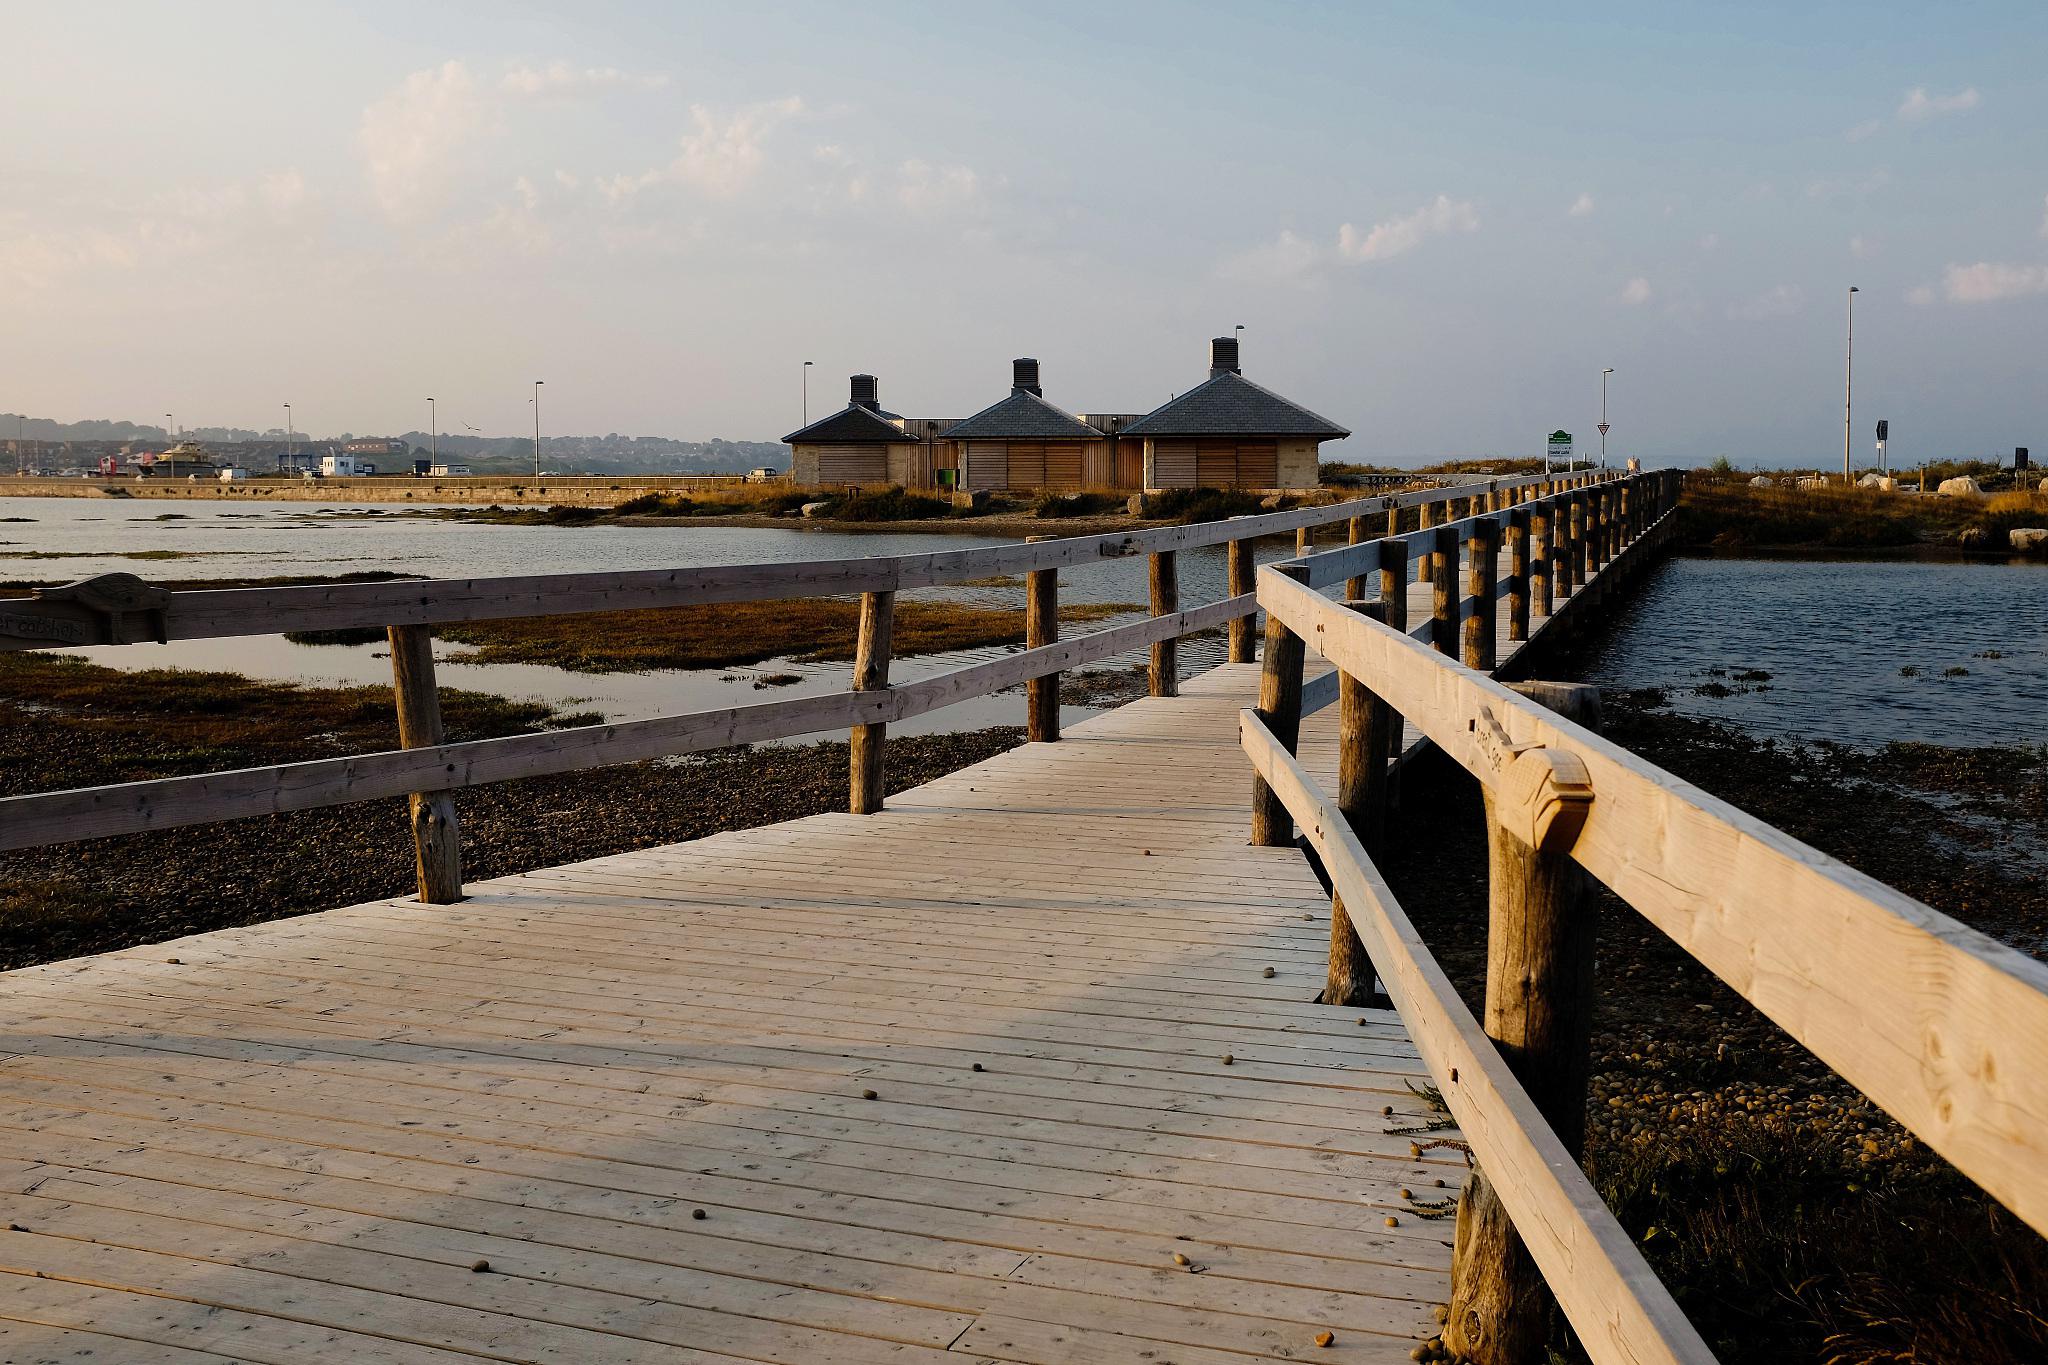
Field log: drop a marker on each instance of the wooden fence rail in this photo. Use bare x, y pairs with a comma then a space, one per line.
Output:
129, 611
1943, 1027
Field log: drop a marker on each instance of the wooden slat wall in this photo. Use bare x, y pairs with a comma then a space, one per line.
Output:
1063, 464
1027, 464
1173, 464
988, 464
853, 464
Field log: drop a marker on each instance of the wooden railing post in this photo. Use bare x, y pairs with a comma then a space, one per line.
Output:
1482, 553
1364, 724
1164, 675
1280, 710
872, 650
1304, 541
1628, 512
1542, 554
1041, 627
1539, 985
1394, 600
436, 835
1238, 566
1355, 586
1518, 573
1443, 563
1425, 563
1582, 541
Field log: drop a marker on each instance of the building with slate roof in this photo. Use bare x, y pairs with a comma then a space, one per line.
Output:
860, 444
1231, 433
1025, 442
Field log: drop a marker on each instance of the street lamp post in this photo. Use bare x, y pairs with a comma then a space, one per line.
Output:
1848, 381
170, 429
536, 427
807, 393
1603, 417
433, 437
287, 435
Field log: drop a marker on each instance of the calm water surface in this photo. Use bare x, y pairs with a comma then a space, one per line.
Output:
1838, 640
66, 539
1834, 637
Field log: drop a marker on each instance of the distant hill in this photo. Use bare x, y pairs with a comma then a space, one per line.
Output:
608, 454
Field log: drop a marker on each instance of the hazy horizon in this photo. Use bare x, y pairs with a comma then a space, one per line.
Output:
1436, 227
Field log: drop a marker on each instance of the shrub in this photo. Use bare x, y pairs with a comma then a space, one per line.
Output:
890, 504
1075, 504
1205, 504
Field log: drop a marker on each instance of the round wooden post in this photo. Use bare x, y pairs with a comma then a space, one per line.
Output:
1355, 586
1238, 565
1363, 726
1541, 554
1041, 627
1304, 541
1443, 580
1628, 512
1581, 550
872, 649
1518, 573
1394, 599
1482, 554
1425, 563
1280, 709
1164, 675
1539, 984
436, 835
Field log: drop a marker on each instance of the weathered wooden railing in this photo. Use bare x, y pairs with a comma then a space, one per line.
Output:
122, 610
1943, 1027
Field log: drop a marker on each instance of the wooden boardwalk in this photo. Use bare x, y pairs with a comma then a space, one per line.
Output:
961, 1080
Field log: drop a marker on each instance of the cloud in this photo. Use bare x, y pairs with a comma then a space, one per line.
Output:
1289, 258
1853, 187
1919, 106
192, 227
1582, 207
1920, 295
1711, 241
719, 156
1989, 282
1779, 301
1400, 235
1867, 128
560, 78
924, 188
2044, 216
1862, 248
1636, 292
409, 137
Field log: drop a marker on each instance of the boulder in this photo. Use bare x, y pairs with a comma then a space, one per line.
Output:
1872, 480
1962, 487
1760, 481
2029, 540
2041, 487
970, 499
815, 509
1135, 504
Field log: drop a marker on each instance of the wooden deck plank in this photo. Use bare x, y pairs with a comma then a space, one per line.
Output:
292, 1141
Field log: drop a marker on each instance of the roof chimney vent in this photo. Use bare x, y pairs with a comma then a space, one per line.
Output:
867, 393
1223, 357
1024, 376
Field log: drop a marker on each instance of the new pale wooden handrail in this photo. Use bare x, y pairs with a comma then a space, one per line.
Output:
1621, 1311
1944, 1027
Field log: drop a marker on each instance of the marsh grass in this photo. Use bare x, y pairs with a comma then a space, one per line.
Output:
726, 634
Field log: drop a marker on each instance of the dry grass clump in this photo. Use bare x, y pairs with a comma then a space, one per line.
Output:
725, 634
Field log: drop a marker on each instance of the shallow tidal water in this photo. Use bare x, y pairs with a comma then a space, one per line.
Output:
1859, 652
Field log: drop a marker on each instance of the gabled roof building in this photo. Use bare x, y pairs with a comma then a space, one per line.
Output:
1023, 441
1229, 432
859, 444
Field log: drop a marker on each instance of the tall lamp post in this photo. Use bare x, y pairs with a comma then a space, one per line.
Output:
807, 393
433, 437
1848, 381
170, 429
536, 427
1603, 417
287, 435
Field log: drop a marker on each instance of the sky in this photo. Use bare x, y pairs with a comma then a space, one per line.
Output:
1437, 223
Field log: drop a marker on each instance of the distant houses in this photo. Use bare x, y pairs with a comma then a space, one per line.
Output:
1226, 432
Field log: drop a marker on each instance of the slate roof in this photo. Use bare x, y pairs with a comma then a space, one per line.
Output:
1021, 417
852, 425
1231, 405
